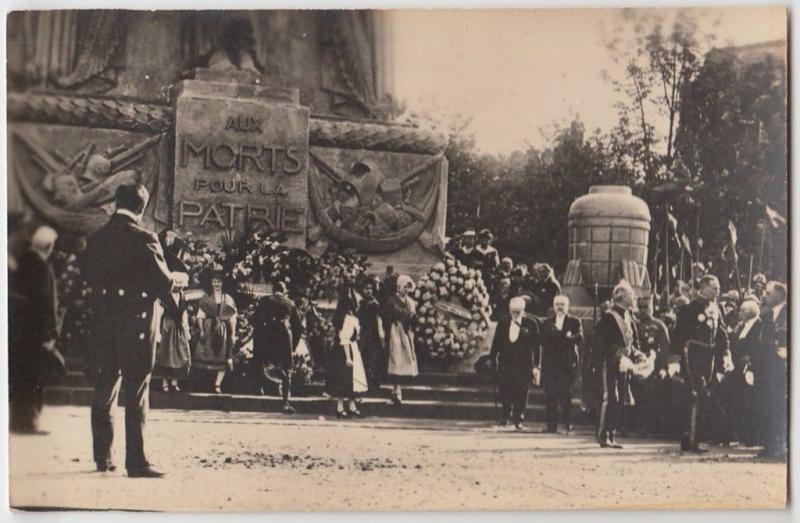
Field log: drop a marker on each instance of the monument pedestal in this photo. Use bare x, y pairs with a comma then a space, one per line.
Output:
241, 155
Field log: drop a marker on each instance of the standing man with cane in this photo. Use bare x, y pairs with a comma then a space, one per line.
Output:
124, 265
515, 356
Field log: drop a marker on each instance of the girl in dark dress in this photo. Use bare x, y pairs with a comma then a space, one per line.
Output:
372, 336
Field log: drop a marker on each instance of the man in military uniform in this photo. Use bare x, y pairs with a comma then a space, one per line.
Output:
562, 335
650, 392
701, 340
277, 328
515, 355
616, 348
124, 266
770, 369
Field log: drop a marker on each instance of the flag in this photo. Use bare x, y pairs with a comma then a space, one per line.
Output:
775, 219
686, 244
734, 239
699, 243
674, 222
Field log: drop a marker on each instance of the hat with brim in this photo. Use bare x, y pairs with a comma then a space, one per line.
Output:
469, 233
486, 234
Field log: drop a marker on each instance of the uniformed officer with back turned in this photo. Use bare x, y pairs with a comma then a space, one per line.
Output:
124, 266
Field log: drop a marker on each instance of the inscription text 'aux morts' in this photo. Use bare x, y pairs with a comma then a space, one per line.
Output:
229, 153
223, 156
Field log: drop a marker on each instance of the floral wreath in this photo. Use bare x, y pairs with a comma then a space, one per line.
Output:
453, 311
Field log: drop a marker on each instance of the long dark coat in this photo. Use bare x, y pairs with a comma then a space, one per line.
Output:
125, 268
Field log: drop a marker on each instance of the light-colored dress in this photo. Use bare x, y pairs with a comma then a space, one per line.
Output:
343, 380
402, 357
217, 322
348, 337
173, 355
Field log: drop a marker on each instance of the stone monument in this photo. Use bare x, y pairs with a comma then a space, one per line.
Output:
241, 155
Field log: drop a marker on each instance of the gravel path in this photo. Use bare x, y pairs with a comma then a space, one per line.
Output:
251, 462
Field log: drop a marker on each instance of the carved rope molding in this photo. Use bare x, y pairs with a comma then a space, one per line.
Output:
111, 113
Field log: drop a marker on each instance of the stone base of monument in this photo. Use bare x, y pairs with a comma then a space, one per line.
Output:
437, 395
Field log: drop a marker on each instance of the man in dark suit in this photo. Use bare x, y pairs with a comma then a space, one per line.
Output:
276, 331
616, 348
32, 329
736, 390
542, 286
702, 341
562, 335
770, 368
650, 411
124, 266
515, 355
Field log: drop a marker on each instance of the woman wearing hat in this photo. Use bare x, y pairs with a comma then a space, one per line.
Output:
400, 310
216, 325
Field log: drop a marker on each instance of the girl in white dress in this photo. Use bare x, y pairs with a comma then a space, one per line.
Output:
346, 376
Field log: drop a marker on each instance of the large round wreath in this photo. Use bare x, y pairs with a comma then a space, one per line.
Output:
453, 311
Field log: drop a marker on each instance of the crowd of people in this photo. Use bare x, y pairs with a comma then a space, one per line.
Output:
711, 364
706, 365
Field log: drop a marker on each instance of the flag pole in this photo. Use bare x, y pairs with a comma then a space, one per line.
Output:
666, 250
750, 276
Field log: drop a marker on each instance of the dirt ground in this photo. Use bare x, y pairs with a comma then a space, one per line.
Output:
219, 461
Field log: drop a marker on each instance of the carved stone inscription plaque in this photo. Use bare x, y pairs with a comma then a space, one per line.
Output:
240, 158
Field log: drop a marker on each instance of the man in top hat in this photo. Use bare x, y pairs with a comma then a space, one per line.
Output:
277, 328
465, 253
124, 265
515, 355
562, 334
616, 348
701, 339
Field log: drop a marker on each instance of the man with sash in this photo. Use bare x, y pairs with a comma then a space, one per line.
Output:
616, 348
702, 341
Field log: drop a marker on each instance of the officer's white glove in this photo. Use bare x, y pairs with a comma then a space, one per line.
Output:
537, 376
782, 353
625, 364
673, 369
749, 378
727, 364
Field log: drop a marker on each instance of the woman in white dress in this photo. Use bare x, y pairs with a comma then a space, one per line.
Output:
400, 310
346, 376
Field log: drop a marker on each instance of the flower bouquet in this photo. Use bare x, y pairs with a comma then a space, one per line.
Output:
453, 311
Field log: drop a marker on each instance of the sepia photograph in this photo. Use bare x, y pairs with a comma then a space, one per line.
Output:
371, 260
